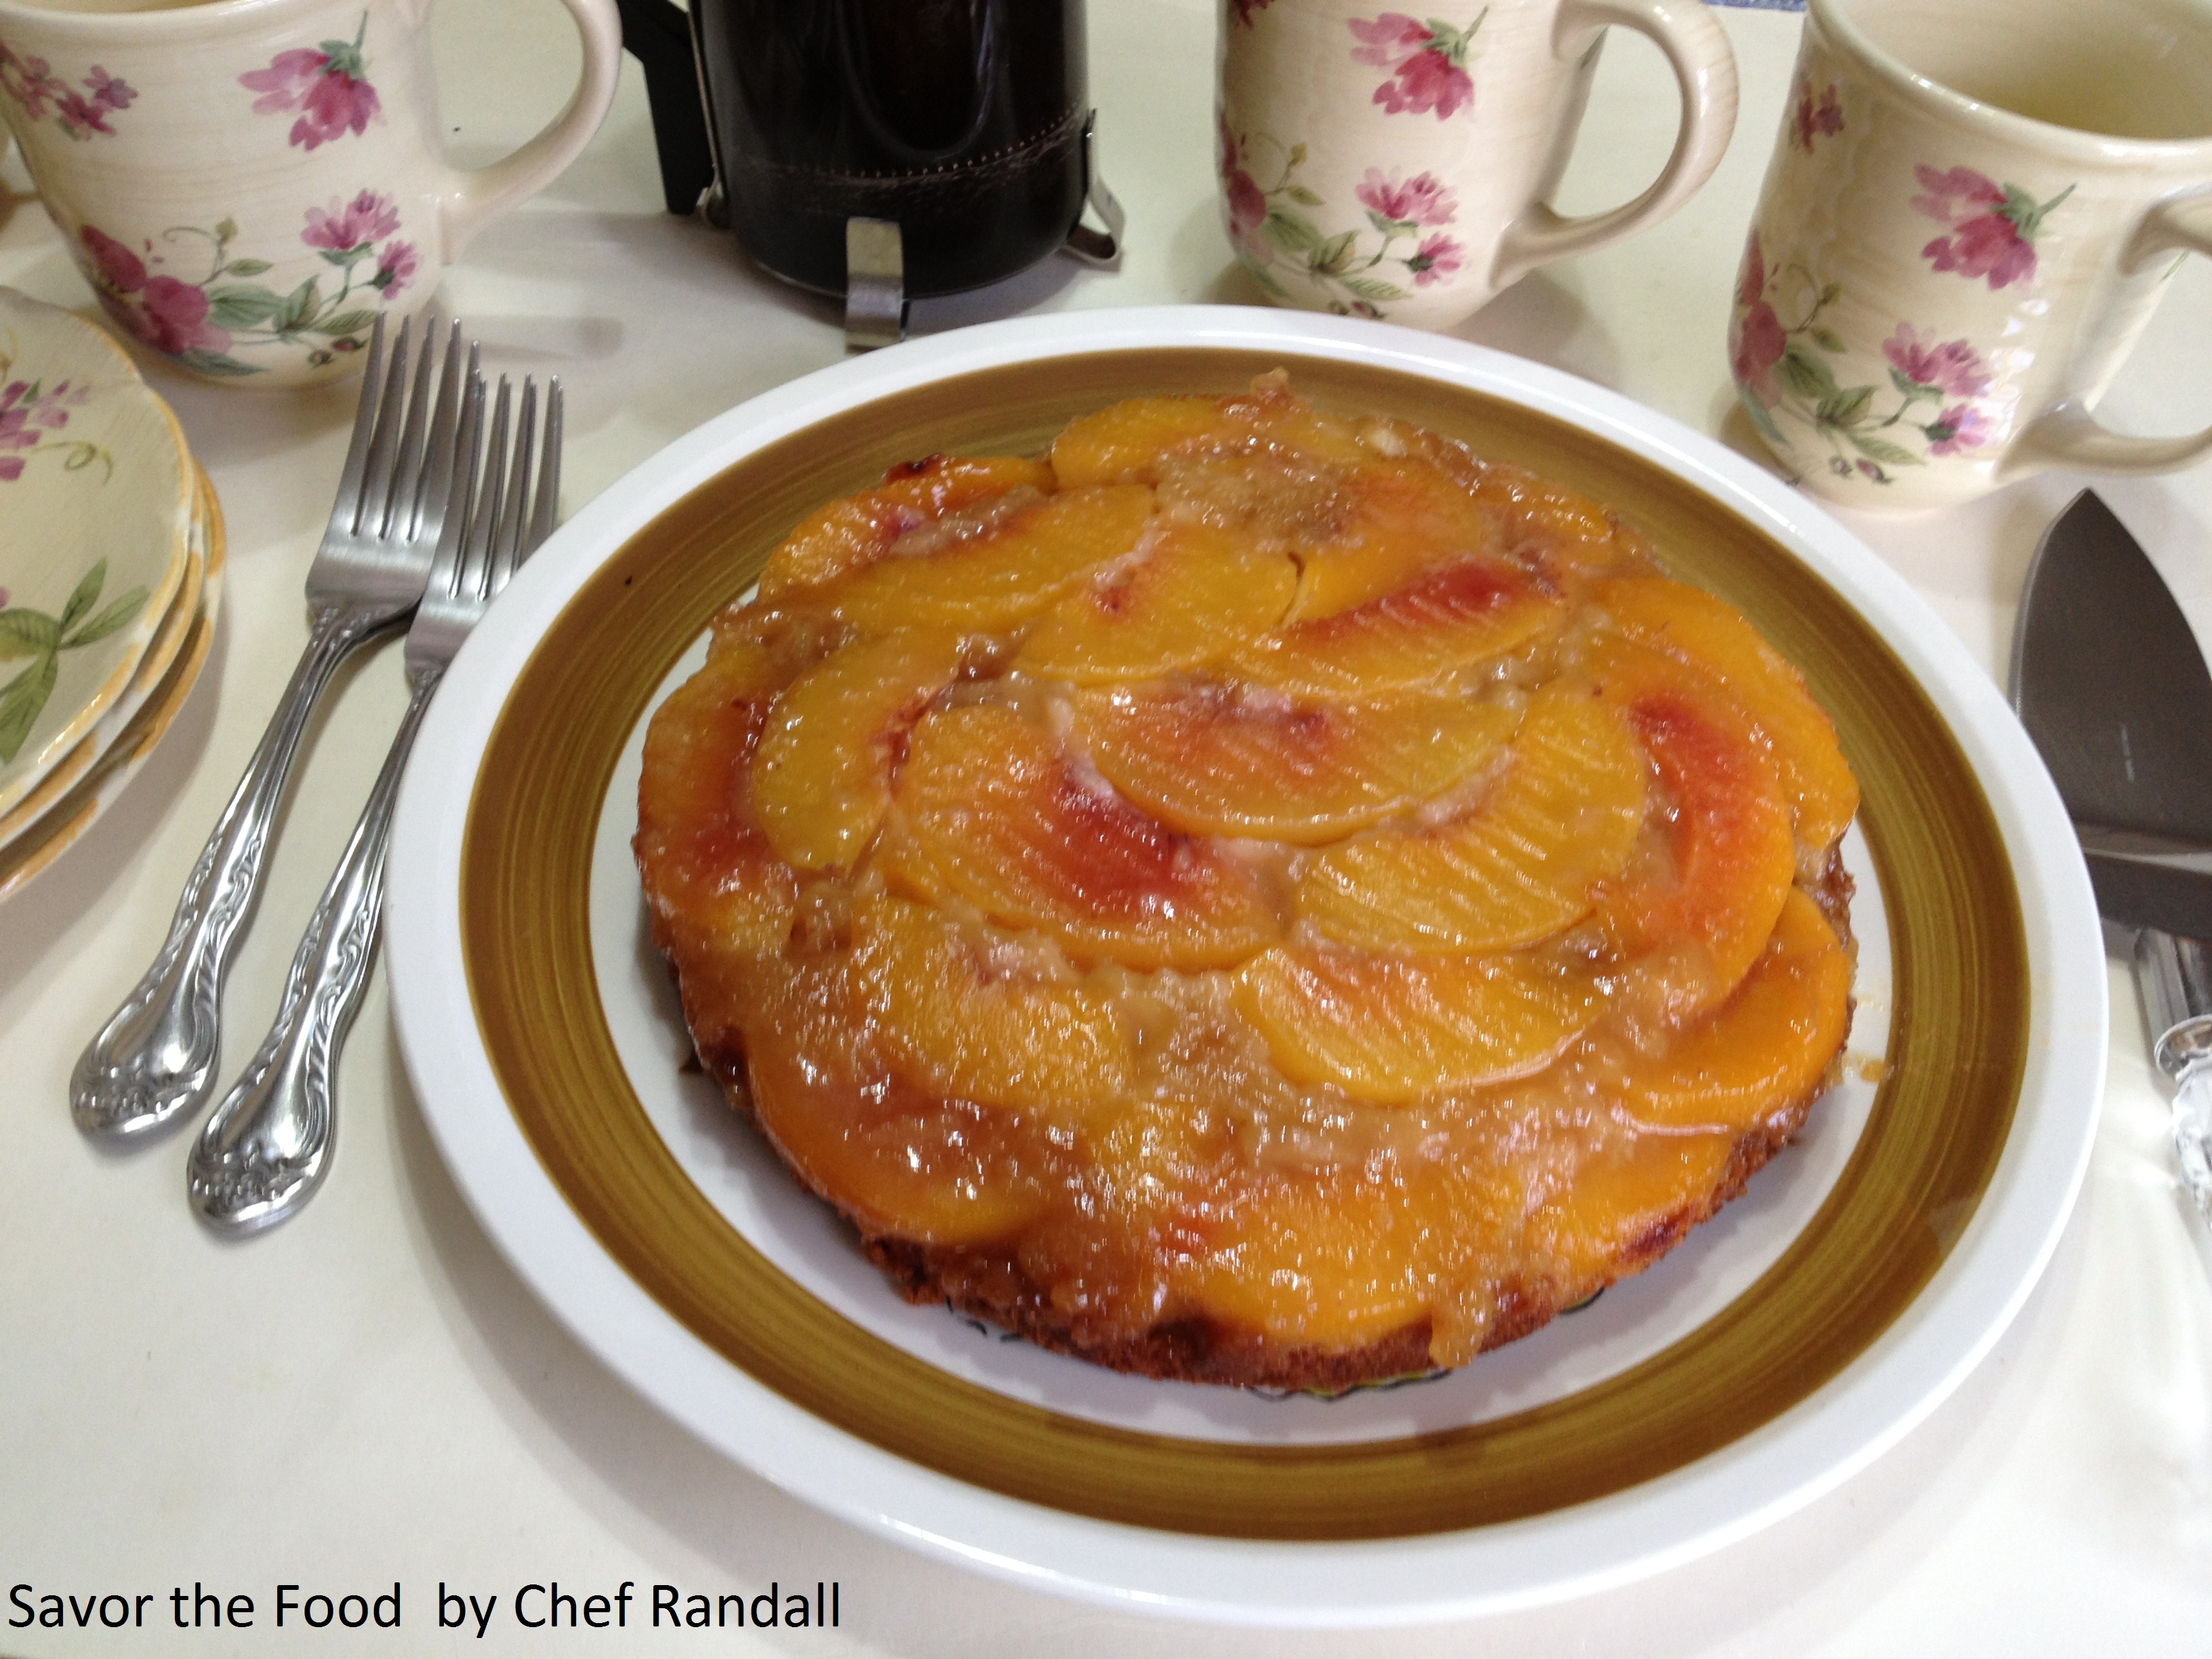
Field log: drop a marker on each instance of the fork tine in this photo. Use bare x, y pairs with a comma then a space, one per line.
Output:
461, 497
506, 546
376, 485
548, 475
442, 452
483, 526
364, 421
401, 502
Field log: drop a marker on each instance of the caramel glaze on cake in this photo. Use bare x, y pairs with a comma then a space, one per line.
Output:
1256, 897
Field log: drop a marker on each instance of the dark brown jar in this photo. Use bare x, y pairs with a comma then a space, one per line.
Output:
961, 120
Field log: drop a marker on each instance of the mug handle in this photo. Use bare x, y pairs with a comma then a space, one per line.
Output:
1704, 70
472, 198
2067, 434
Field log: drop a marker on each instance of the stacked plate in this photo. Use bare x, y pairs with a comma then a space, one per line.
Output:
111, 570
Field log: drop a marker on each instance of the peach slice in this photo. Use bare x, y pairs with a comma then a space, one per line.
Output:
1361, 510
1627, 1207
1334, 1262
1229, 760
822, 777
1194, 591
1440, 623
1564, 815
1566, 537
860, 529
979, 1017
991, 812
1131, 442
1125, 442
1711, 634
1394, 518
1394, 1028
715, 884
896, 1159
1004, 575
1729, 857
1767, 1047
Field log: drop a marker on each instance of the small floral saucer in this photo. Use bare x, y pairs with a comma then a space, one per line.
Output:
97, 491
46, 821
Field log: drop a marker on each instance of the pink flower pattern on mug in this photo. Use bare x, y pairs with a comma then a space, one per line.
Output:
1962, 426
198, 323
33, 84
1951, 367
1427, 61
1784, 367
1243, 199
1756, 339
354, 225
1421, 200
330, 89
1275, 239
1993, 227
1810, 120
169, 315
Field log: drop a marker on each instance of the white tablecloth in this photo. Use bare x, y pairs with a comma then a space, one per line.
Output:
368, 1395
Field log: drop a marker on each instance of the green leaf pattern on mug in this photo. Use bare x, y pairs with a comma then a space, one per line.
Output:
1279, 243
42, 638
197, 323
1781, 369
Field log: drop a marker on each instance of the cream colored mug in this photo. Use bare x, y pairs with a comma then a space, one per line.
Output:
1971, 210
247, 184
1379, 164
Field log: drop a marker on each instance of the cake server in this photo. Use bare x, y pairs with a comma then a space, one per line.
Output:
2108, 680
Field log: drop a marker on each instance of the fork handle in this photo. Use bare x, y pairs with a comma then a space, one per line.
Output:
264, 1151
156, 1056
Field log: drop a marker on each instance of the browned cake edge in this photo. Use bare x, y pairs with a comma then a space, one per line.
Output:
987, 1284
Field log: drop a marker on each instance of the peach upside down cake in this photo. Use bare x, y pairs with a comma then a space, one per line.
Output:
1255, 896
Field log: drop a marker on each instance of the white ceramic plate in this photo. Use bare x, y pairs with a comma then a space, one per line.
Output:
1893, 1378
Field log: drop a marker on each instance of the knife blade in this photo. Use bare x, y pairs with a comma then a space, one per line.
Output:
2109, 681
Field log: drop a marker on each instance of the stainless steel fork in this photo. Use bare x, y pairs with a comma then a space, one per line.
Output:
267, 1147
156, 1058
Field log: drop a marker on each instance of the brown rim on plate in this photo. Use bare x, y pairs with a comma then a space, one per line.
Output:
1958, 1043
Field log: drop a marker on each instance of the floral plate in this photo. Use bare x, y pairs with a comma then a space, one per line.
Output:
45, 821
96, 489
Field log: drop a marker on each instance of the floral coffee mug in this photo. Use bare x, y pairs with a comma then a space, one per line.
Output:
1971, 210
248, 184
1381, 165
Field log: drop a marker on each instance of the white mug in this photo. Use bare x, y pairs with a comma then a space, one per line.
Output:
1381, 165
1971, 210
247, 184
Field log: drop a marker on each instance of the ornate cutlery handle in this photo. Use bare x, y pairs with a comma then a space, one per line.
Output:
264, 1151
156, 1058
2175, 975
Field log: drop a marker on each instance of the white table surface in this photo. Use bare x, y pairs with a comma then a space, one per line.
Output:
370, 1394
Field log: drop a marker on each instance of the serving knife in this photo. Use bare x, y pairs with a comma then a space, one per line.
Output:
2108, 680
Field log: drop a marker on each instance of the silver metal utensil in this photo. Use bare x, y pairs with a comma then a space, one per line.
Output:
265, 1150
154, 1060
2110, 682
